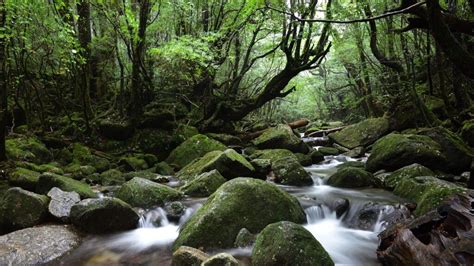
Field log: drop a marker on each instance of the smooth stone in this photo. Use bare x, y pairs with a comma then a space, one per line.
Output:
61, 203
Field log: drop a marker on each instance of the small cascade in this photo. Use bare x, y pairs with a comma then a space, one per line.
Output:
154, 218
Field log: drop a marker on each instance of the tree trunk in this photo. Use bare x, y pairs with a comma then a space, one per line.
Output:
3, 82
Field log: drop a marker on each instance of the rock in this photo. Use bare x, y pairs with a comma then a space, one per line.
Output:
357, 152
229, 163
272, 154
395, 151
103, 215
436, 105
316, 156
367, 217
100, 164
467, 132
204, 185
262, 167
427, 191
281, 137
142, 174
193, 148
339, 206
244, 238
61, 203
22, 208
188, 256
288, 171
163, 168
26, 148
133, 163
112, 177
81, 154
304, 159
361, 134
38, 245
287, 243
24, 178
48, 180
410, 171
174, 210
79, 172
239, 203
221, 259
351, 177
356, 164
117, 130
51, 167
228, 140
140, 192
328, 151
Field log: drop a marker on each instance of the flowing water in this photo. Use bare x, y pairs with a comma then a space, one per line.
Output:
339, 234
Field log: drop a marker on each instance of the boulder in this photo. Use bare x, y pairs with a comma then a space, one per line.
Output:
228, 140
410, 171
281, 137
26, 148
111, 177
204, 185
38, 245
50, 167
287, 243
316, 156
289, 171
262, 167
140, 192
361, 134
61, 203
351, 177
244, 238
304, 159
193, 148
103, 215
24, 178
229, 163
272, 154
22, 208
467, 132
100, 164
367, 217
239, 203
174, 210
352, 164
163, 168
48, 180
133, 163
221, 259
357, 152
81, 154
78, 171
328, 151
117, 130
188, 256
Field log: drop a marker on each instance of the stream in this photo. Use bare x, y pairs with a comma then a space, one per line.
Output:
340, 235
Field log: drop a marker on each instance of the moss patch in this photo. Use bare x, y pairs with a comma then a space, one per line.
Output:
362, 133
48, 180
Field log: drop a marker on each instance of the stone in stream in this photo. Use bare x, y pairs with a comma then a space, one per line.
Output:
357, 152
244, 238
361, 134
328, 151
239, 203
48, 180
103, 215
262, 167
203, 185
272, 154
38, 245
174, 210
140, 192
24, 178
367, 217
188, 256
409, 171
221, 259
287, 243
112, 177
281, 137
163, 168
351, 177
304, 159
61, 203
21, 208
316, 156
289, 171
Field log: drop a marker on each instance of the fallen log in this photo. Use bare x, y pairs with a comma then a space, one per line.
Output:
295, 124
324, 132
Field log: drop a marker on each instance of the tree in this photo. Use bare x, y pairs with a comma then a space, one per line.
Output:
3, 81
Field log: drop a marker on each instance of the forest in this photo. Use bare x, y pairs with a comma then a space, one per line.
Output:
236, 132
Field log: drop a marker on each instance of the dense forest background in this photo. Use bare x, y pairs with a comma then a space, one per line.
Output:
87, 69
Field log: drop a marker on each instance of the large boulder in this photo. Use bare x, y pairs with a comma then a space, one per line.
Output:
22, 208
287, 243
111, 177
409, 171
103, 215
272, 154
204, 185
27, 149
48, 180
361, 134
193, 148
61, 203
288, 171
188, 256
229, 163
239, 203
38, 245
351, 177
281, 137
24, 178
140, 192
221, 259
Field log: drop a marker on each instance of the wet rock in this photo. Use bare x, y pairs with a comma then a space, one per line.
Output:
304, 159
112, 177
229, 163
163, 168
193, 148
289, 171
174, 210
24, 178
140, 192
262, 167
287, 243
467, 132
48, 180
78, 171
103, 215
133, 163
328, 151
204, 185
371, 213
272, 154
22, 208
316, 156
50, 167
409, 171
244, 238
361, 134
61, 203
221, 259
351, 177
239, 203
340, 206
356, 164
357, 152
281, 137
188, 256
100, 164
27, 149
38, 245
141, 174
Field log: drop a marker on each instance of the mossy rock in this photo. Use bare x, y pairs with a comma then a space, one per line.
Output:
436, 106
133, 163
163, 168
316, 156
24, 178
155, 141
351, 177
50, 168
81, 154
328, 151
221, 259
239, 203
361, 134
22, 208
103, 215
146, 174
140, 192
188, 256
229, 163
79, 172
427, 191
357, 164
204, 184
467, 132
281, 137
226, 139
289, 171
117, 130
27, 148
100, 164
273, 154
304, 159
112, 177
262, 167
409, 171
193, 148
48, 180
287, 243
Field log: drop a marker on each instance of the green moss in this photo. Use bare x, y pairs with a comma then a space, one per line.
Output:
225, 138
163, 168
467, 132
27, 149
328, 151
280, 137
272, 154
351, 177
81, 154
134, 163
362, 133
204, 184
112, 177
288, 171
48, 180
24, 178
304, 159
352, 164
239, 203
407, 172
51, 167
